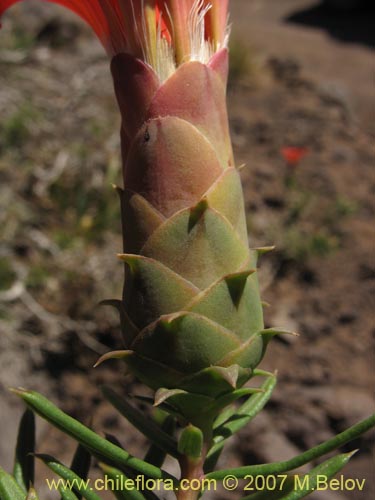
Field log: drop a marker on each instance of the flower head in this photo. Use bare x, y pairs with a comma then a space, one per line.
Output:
163, 33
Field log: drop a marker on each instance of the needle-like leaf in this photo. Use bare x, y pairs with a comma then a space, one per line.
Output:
306, 457
85, 436
23, 470
9, 489
234, 419
155, 455
124, 487
301, 486
67, 494
76, 483
144, 424
327, 469
81, 463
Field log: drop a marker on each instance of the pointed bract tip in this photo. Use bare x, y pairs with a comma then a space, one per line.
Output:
129, 257
169, 319
44, 457
252, 390
352, 453
239, 276
113, 355
246, 273
278, 331
236, 284
197, 211
163, 394
263, 250
19, 391
229, 374
263, 373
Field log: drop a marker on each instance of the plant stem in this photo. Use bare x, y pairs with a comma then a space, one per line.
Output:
192, 472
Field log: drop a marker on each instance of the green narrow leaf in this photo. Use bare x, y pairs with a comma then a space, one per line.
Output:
67, 494
239, 417
81, 463
9, 489
23, 469
295, 487
113, 439
129, 474
73, 481
309, 455
310, 481
229, 398
224, 416
155, 455
235, 418
145, 425
97, 445
111, 463
124, 487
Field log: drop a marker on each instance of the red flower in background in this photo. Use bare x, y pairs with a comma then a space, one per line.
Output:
293, 154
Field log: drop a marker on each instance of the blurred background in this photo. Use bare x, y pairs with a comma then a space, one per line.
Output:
301, 105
